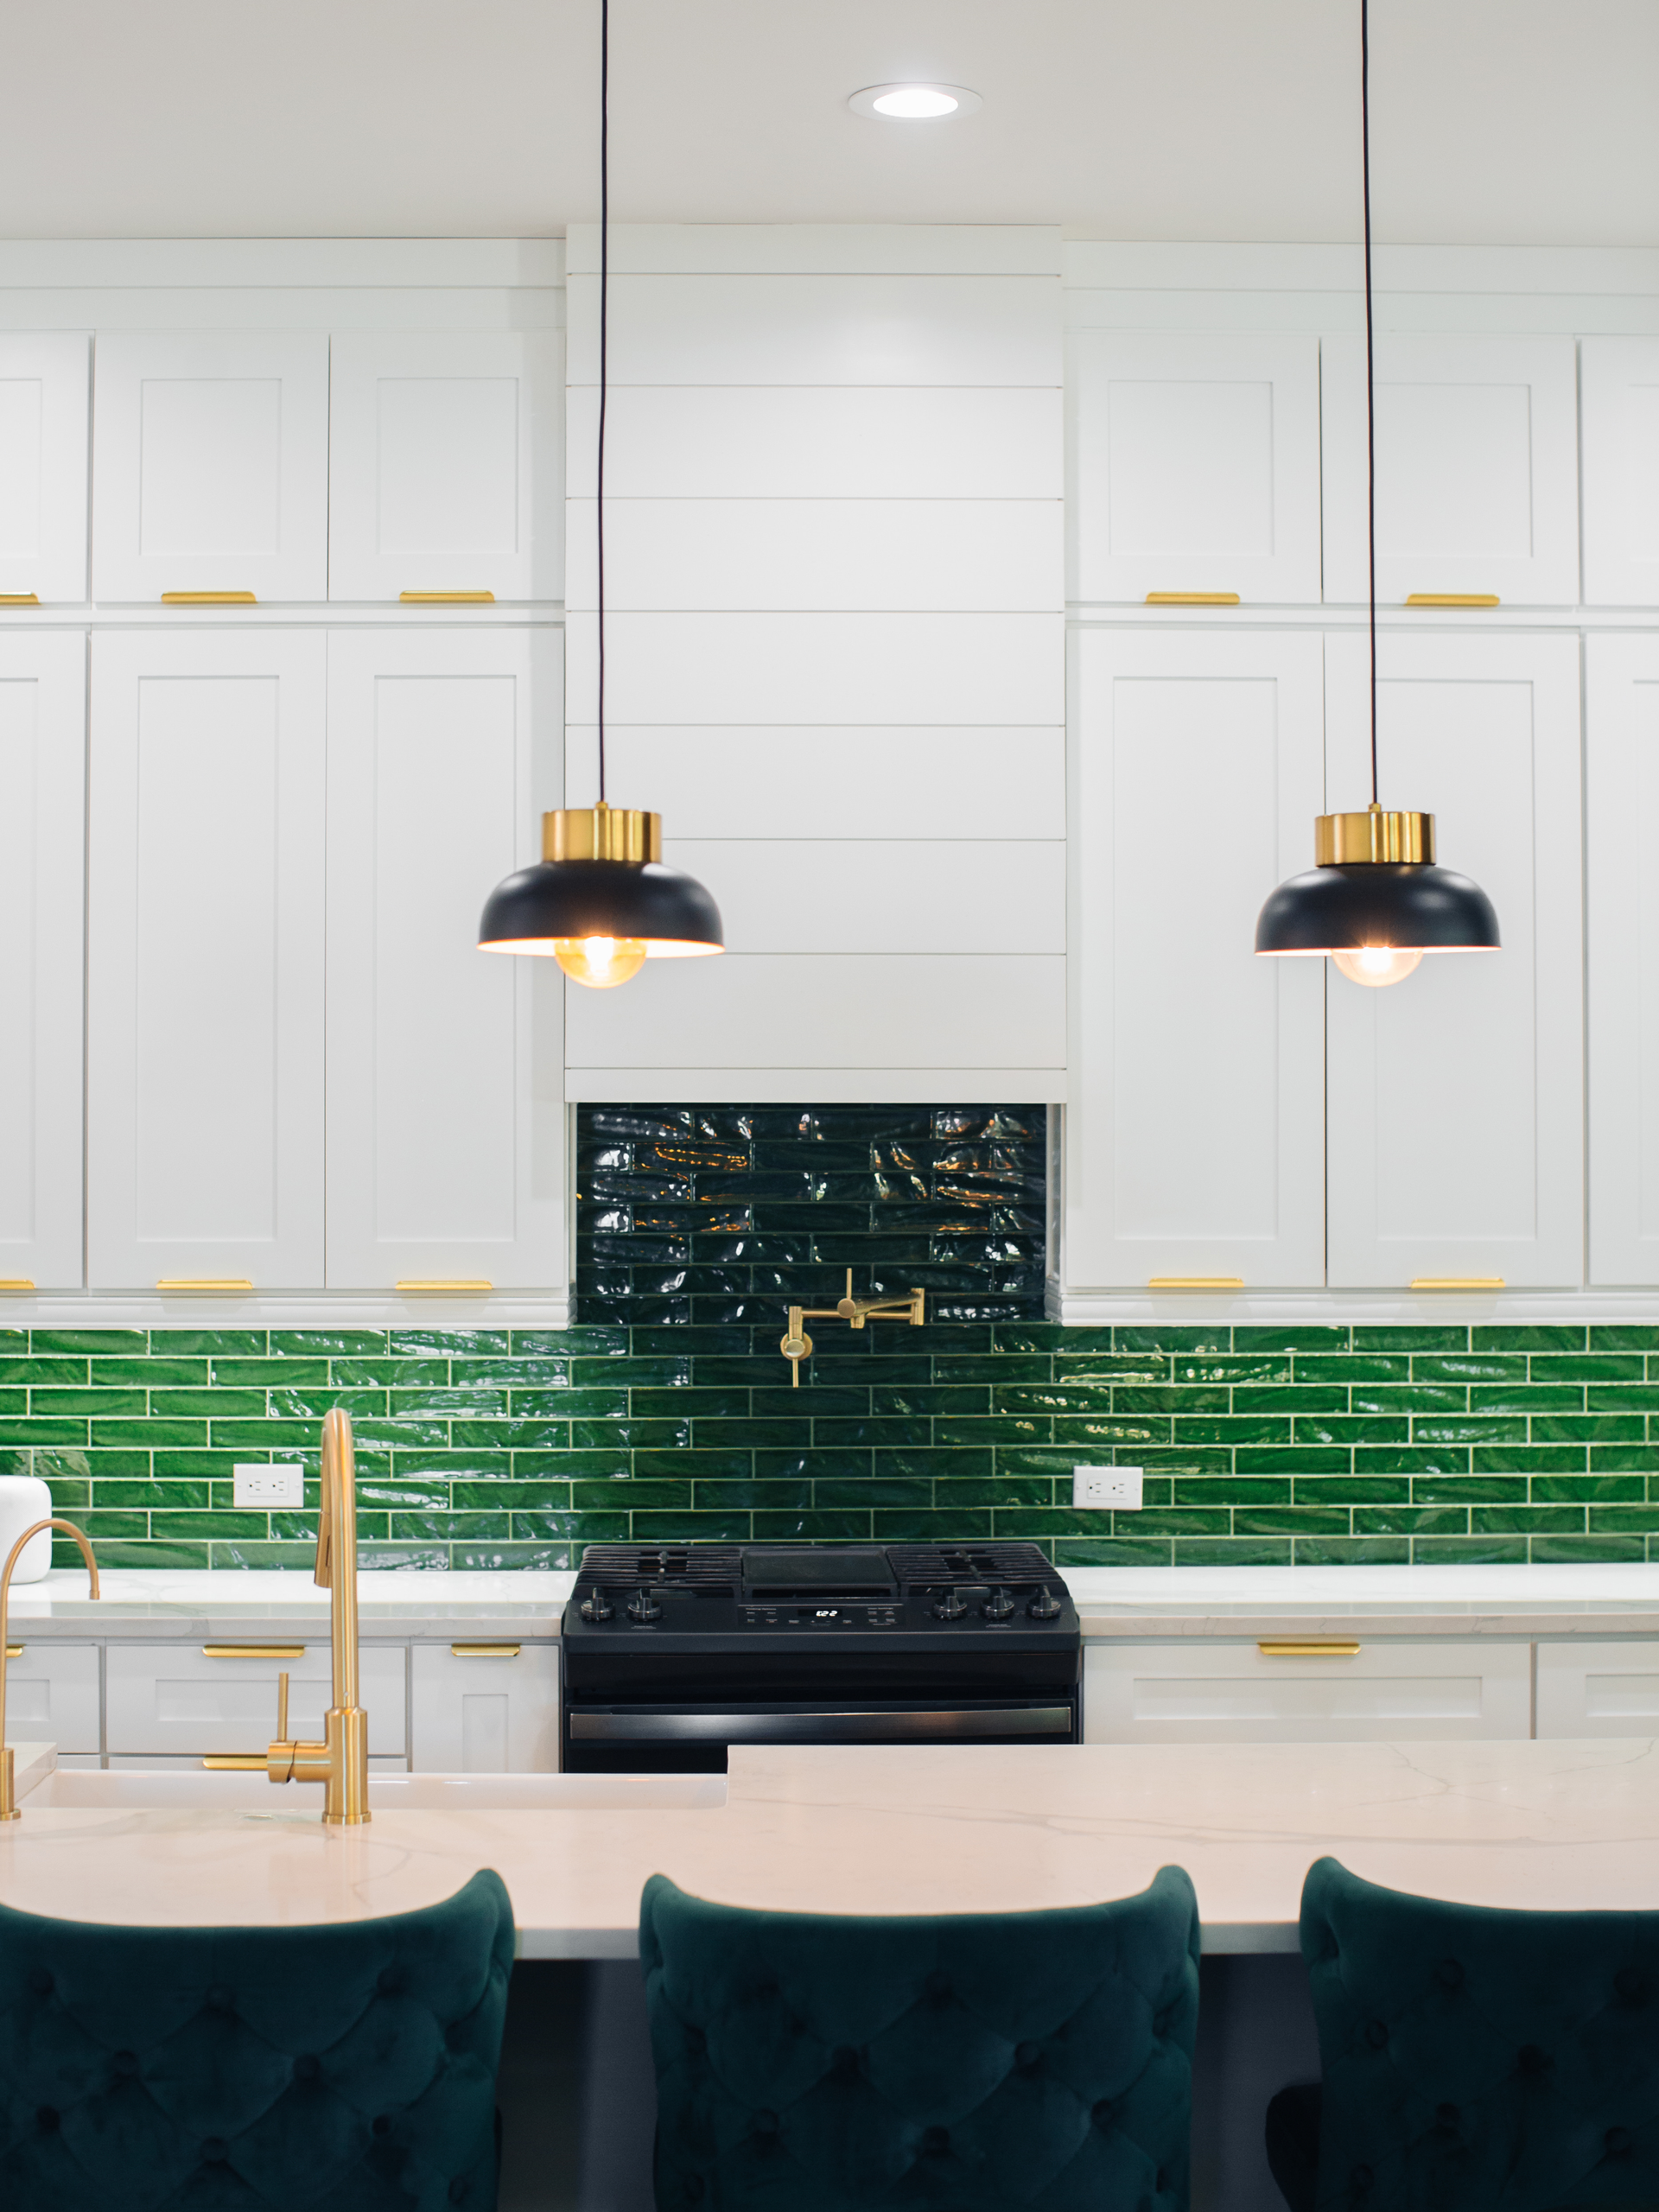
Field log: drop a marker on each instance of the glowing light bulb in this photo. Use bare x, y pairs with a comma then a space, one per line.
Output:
1376, 965
602, 962
915, 103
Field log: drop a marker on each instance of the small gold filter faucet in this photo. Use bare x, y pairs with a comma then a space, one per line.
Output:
9, 1809
795, 1345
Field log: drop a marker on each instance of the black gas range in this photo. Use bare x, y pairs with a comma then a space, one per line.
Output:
671, 1654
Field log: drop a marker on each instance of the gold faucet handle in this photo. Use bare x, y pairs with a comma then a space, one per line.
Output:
282, 1706
795, 1344
280, 1756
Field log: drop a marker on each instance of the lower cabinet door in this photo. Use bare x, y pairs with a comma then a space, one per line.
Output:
1599, 1689
52, 1696
1212, 1692
194, 1699
484, 1708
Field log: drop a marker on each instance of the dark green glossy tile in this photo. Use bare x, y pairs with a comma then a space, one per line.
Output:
1468, 1490
115, 1490
1527, 1519
1466, 1367
1308, 1337
1292, 1398
1624, 1459
356, 1374
1618, 1398
70, 1493
1589, 1367
1352, 1551
1232, 1551
1056, 1335
408, 1492
1240, 1369
99, 1343
1588, 1428
113, 1552
473, 1466
1468, 1551
780, 1435
940, 1398
211, 1405
445, 1528
184, 1525
29, 1429
1414, 1460
848, 1525
1352, 1490
674, 1466
86, 1405
1292, 1459
1551, 1339
1531, 1460
690, 1528
1623, 1520
1116, 1435
1290, 1520
1570, 1551
325, 1343
1411, 1520
1537, 1398
1231, 1428
786, 1404
230, 1558
1145, 1369
1592, 1490
1169, 1340
908, 1525
509, 1435
153, 1435
1004, 1490
849, 1464
944, 1463
1408, 1340
661, 1373
1624, 1336
505, 1497
751, 1498
209, 1343
449, 1344
1111, 1551
403, 1558
272, 1374
688, 1404
1248, 1489
1410, 1398
67, 1373
1352, 1428
573, 1343
1346, 1369
1468, 1428
144, 1373
629, 1435
998, 1428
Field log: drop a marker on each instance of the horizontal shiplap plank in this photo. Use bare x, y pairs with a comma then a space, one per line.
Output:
873, 895
821, 1087
820, 330
830, 783
811, 1011
819, 249
246, 307
281, 263
931, 555
1130, 265
941, 668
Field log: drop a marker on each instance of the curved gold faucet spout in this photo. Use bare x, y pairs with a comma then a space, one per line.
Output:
340, 1761
8, 1808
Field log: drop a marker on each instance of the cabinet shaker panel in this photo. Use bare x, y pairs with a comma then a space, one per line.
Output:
1195, 464
482, 1708
204, 965
1477, 467
43, 465
446, 464
211, 464
1598, 1689
1455, 1098
1194, 1137
42, 873
1621, 471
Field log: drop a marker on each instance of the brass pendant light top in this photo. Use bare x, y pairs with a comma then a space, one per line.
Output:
602, 833
1378, 835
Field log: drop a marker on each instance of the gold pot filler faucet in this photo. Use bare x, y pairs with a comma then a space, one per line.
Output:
795, 1345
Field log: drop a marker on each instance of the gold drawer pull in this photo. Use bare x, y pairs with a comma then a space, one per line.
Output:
14, 1651
447, 598
438, 1287
253, 1651
20, 598
1195, 1283
1192, 599
1313, 1646
486, 1650
208, 598
1452, 599
15, 1283
1456, 1282
227, 1285
235, 1763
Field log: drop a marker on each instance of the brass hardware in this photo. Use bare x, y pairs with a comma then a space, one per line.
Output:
208, 598
253, 1651
14, 1651
1456, 1282
340, 1761
1374, 837
224, 1284
234, 1761
466, 1286
15, 1283
1307, 1647
1195, 1283
1192, 599
484, 1651
601, 833
447, 598
1452, 599
20, 598
8, 1764
795, 1345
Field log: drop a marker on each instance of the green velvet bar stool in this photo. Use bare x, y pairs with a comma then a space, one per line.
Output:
344, 2067
971, 2063
1473, 2060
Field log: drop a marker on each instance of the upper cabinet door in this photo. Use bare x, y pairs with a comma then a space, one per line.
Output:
1621, 472
446, 1125
43, 465
1195, 459
446, 462
1455, 1096
42, 843
205, 1033
211, 464
1622, 788
1194, 1137
1477, 468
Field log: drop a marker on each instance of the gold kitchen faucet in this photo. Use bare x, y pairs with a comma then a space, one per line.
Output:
341, 1762
795, 1345
9, 1806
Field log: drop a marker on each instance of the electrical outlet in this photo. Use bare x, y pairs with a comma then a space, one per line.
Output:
1110, 1489
267, 1485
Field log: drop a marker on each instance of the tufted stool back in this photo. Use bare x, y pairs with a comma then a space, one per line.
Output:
348, 2068
972, 2063
1474, 2059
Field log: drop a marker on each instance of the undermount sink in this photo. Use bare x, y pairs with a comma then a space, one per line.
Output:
169, 1790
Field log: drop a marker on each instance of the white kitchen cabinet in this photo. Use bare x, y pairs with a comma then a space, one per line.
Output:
1209, 1691
52, 1697
43, 465
205, 969
484, 1708
1620, 380
1195, 464
1477, 467
1598, 1689
211, 464
1455, 1098
1194, 1141
446, 464
1621, 795
187, 1699
445, 1112
42, 875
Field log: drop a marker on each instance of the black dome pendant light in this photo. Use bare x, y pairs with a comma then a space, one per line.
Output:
1375, 902
599, 900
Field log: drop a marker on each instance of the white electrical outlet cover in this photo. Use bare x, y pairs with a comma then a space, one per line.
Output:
260, 1484
1106, 1489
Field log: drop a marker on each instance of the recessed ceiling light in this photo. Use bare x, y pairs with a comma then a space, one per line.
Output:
914, 103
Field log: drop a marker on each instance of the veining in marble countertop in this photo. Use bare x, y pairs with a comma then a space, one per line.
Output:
890, 1830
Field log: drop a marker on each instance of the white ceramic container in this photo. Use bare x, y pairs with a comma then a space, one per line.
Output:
25, 1498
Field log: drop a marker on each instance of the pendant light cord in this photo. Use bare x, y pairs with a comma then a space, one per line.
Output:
1370, 361
604, 317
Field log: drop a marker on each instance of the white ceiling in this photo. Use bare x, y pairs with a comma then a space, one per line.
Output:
1518, 122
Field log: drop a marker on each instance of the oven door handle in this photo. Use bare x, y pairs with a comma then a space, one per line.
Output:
852, 1727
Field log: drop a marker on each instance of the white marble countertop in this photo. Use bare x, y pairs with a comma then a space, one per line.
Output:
892, 1829
1131, 1603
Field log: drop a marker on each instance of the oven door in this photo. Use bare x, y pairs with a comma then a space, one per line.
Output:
694, 1739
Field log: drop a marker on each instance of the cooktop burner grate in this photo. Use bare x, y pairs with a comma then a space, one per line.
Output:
927, 1566
694, 1565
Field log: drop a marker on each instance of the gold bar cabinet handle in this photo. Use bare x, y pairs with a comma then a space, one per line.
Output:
447, 598
227, 1285
1314, 1647
461, 1286
484, 1651
253, 1651
1195, 1283
20, 598
1452, 599
15, 1283
235, 1762
14, 1651
208, 598
1456, 1282
1192, 599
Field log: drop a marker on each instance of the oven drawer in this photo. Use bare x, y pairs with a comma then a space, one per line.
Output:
666, 1736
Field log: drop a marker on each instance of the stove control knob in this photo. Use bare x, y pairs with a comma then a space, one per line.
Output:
642, 1606
949, 1606
597, 1608
1045, 1606
998, 1605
